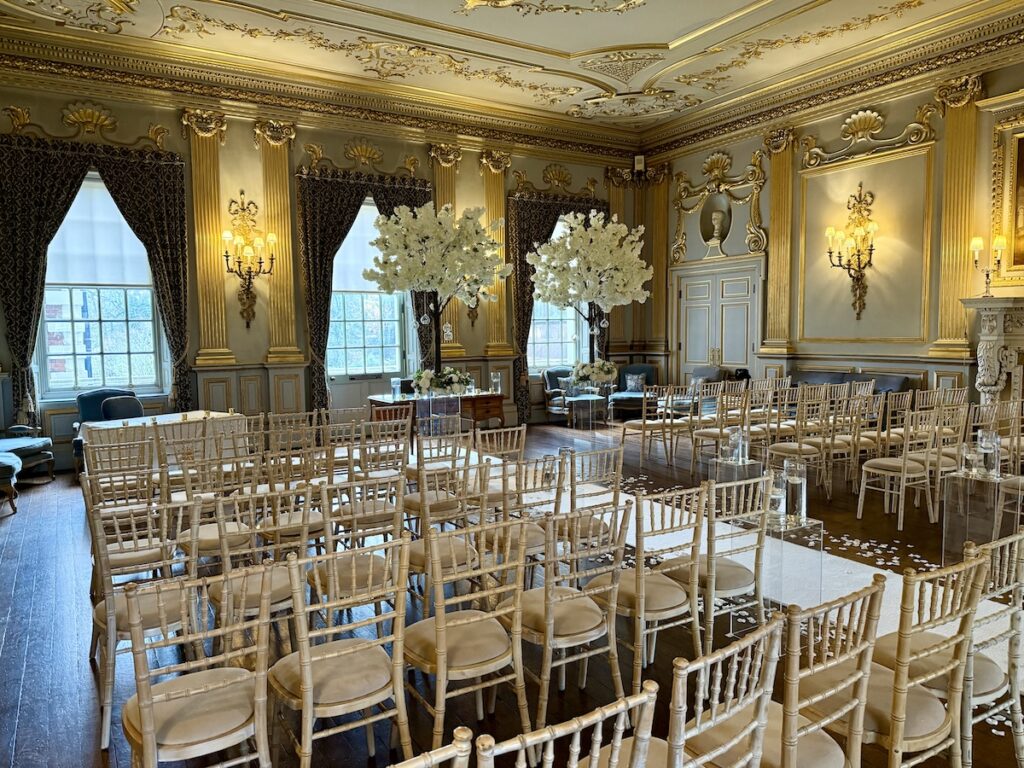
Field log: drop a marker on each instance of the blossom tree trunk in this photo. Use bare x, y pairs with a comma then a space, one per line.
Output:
435, 321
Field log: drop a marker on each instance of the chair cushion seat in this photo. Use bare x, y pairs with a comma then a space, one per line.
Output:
459, 547
640, 424
142, 552
208, 536
149, 606
730, 576
201, 716
1013, 484
371, 514
10, 466
928, 458
866, 443
290, 523
661, 593
802, 448
469, 645
280, 588
572, 617
436, 499
657, 754
989, 678
352, 571
337, 678
893, 465
536, 538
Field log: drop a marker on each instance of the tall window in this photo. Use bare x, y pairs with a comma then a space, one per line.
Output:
557, 336
99, 320
366, 335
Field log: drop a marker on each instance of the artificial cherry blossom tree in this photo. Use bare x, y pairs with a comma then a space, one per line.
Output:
593, 261
424, 250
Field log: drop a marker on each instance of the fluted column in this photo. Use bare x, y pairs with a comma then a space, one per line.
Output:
956, 100
273, 138
494, 165
779, 144
206, 129
639, 335
446, 159
617, 179
658, 180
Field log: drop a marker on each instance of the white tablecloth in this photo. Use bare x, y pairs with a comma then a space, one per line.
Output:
214, 420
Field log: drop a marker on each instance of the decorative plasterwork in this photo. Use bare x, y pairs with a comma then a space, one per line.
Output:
495, 161
860, 131
716, 78
382, 58
622, 65
204, 122
94, 15
959, 92
87, 121
627, 177
779, 140
276, 132
538, 7
559, 181
363, 155
690, 198
633, 104
446, 155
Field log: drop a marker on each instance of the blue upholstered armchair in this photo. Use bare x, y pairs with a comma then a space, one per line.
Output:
622, 401
554, 395
90, 408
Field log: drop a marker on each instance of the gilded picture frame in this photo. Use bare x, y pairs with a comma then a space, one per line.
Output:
1008, 195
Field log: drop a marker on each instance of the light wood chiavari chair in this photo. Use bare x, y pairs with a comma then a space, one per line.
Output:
396, 412
865, 388
120, 458
383, 451
928, 399
502, 444
454, 755
954, 395
445, 450
171, 437
943, 458
362, 510
220, 474
731, 410
688, 411
652, 421
595, 477
889, 437
209, 701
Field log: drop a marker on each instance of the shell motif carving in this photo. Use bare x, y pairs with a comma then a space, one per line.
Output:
862, 125
556, 175
362, 152
717, 166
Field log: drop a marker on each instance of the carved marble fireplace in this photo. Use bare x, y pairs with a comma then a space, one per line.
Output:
1000, 344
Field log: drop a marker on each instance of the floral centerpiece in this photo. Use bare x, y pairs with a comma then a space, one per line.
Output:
449, 381
597, 372
438, 253
594, 262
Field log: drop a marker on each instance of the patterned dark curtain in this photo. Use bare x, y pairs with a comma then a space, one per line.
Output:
328, 203
38, 182
531, 218
149, 190
388, 194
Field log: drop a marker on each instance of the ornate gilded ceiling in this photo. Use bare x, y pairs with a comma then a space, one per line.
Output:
632, 64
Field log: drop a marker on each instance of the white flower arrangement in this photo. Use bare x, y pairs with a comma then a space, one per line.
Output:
597, 372
450, 381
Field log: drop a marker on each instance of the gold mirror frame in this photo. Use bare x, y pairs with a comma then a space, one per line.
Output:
1007, 176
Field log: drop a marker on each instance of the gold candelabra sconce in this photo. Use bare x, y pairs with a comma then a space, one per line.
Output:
852, 249
995, 259
244, 251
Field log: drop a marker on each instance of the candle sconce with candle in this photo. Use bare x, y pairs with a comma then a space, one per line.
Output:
853, 249
995, 260
244, 249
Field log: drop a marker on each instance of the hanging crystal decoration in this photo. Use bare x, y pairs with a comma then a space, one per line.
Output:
424, 319
604, 323
447, 335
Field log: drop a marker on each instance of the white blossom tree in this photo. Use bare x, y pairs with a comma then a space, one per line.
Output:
593, 261
435, 252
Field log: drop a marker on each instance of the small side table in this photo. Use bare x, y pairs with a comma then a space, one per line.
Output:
971, 511
586, 410
793, 574
727, 471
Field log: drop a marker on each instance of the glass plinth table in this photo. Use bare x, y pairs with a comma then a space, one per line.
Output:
980, 508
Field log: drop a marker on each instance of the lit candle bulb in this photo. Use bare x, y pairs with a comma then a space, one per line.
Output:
998, 247
830, 233
977, 246
258, 246
239, 245
872, 229
228, 237
271, 240
247, 254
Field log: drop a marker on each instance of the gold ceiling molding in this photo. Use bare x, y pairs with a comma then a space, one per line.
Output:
384, 59
276, 132
446, 155
860, 132
86, 121
495, 161
691, 198
958, 92
559, 181
94, 15
622, 65
715, 78
539, 7
204, 122
363, 156
627, 177
633, 104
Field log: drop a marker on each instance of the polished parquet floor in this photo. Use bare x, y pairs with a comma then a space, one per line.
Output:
49, 710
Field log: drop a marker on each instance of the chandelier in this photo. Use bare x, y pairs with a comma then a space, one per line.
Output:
244, 249
852, 249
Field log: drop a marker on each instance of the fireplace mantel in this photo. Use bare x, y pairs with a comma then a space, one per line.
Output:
1000, 344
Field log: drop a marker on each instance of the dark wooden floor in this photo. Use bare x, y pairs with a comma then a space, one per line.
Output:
49, 710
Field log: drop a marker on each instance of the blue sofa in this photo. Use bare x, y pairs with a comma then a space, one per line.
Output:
624, 403
23, 448
90, 408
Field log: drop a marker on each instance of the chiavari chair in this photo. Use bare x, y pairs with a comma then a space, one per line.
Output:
780, 424
454, 755
849, 444
652, 421
395, 412
341, 668
607, 727
928, 399
172, 436
595, 477
289, 468
871, 411
759, 419
943, 458
209, 701
128, 543
131, 433
356, 415
894, 476
865, 388
954, 395
834, 392
669, 527
293, 437
688, 413
285, 422
929, 652
436, 456
502, 444
362, 510
220, 474
569, 614
889, 437
341, 437
120, 458
761, 385
812, 436
383, 451
480, 646
530, 490
444, 450
731, 410
734, 387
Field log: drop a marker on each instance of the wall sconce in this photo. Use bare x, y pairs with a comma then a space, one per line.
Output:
852, 249
248, 245
998, 248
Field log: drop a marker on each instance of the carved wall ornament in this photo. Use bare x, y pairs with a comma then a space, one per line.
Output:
649, 102
958, 92
994, 364
495, 161
446, 155
987, 322
1012, 322
110, 16
627, 177
739, 189
276, 132
204, 122
364, 157
861, 132
779, 139
538, 7
559, 181
621, 65
88, 122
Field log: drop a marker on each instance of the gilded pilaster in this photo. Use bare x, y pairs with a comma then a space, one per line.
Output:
659, 189
779, 144
205, 130
494, 166
273, 139
956, 100
446, 159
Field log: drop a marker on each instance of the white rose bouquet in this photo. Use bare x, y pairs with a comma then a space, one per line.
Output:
597, 372
449, 381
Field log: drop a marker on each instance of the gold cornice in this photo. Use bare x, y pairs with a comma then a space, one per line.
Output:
446, 155
958, 92
88, 122
204, 122
276, 132
495, 161
860, 134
